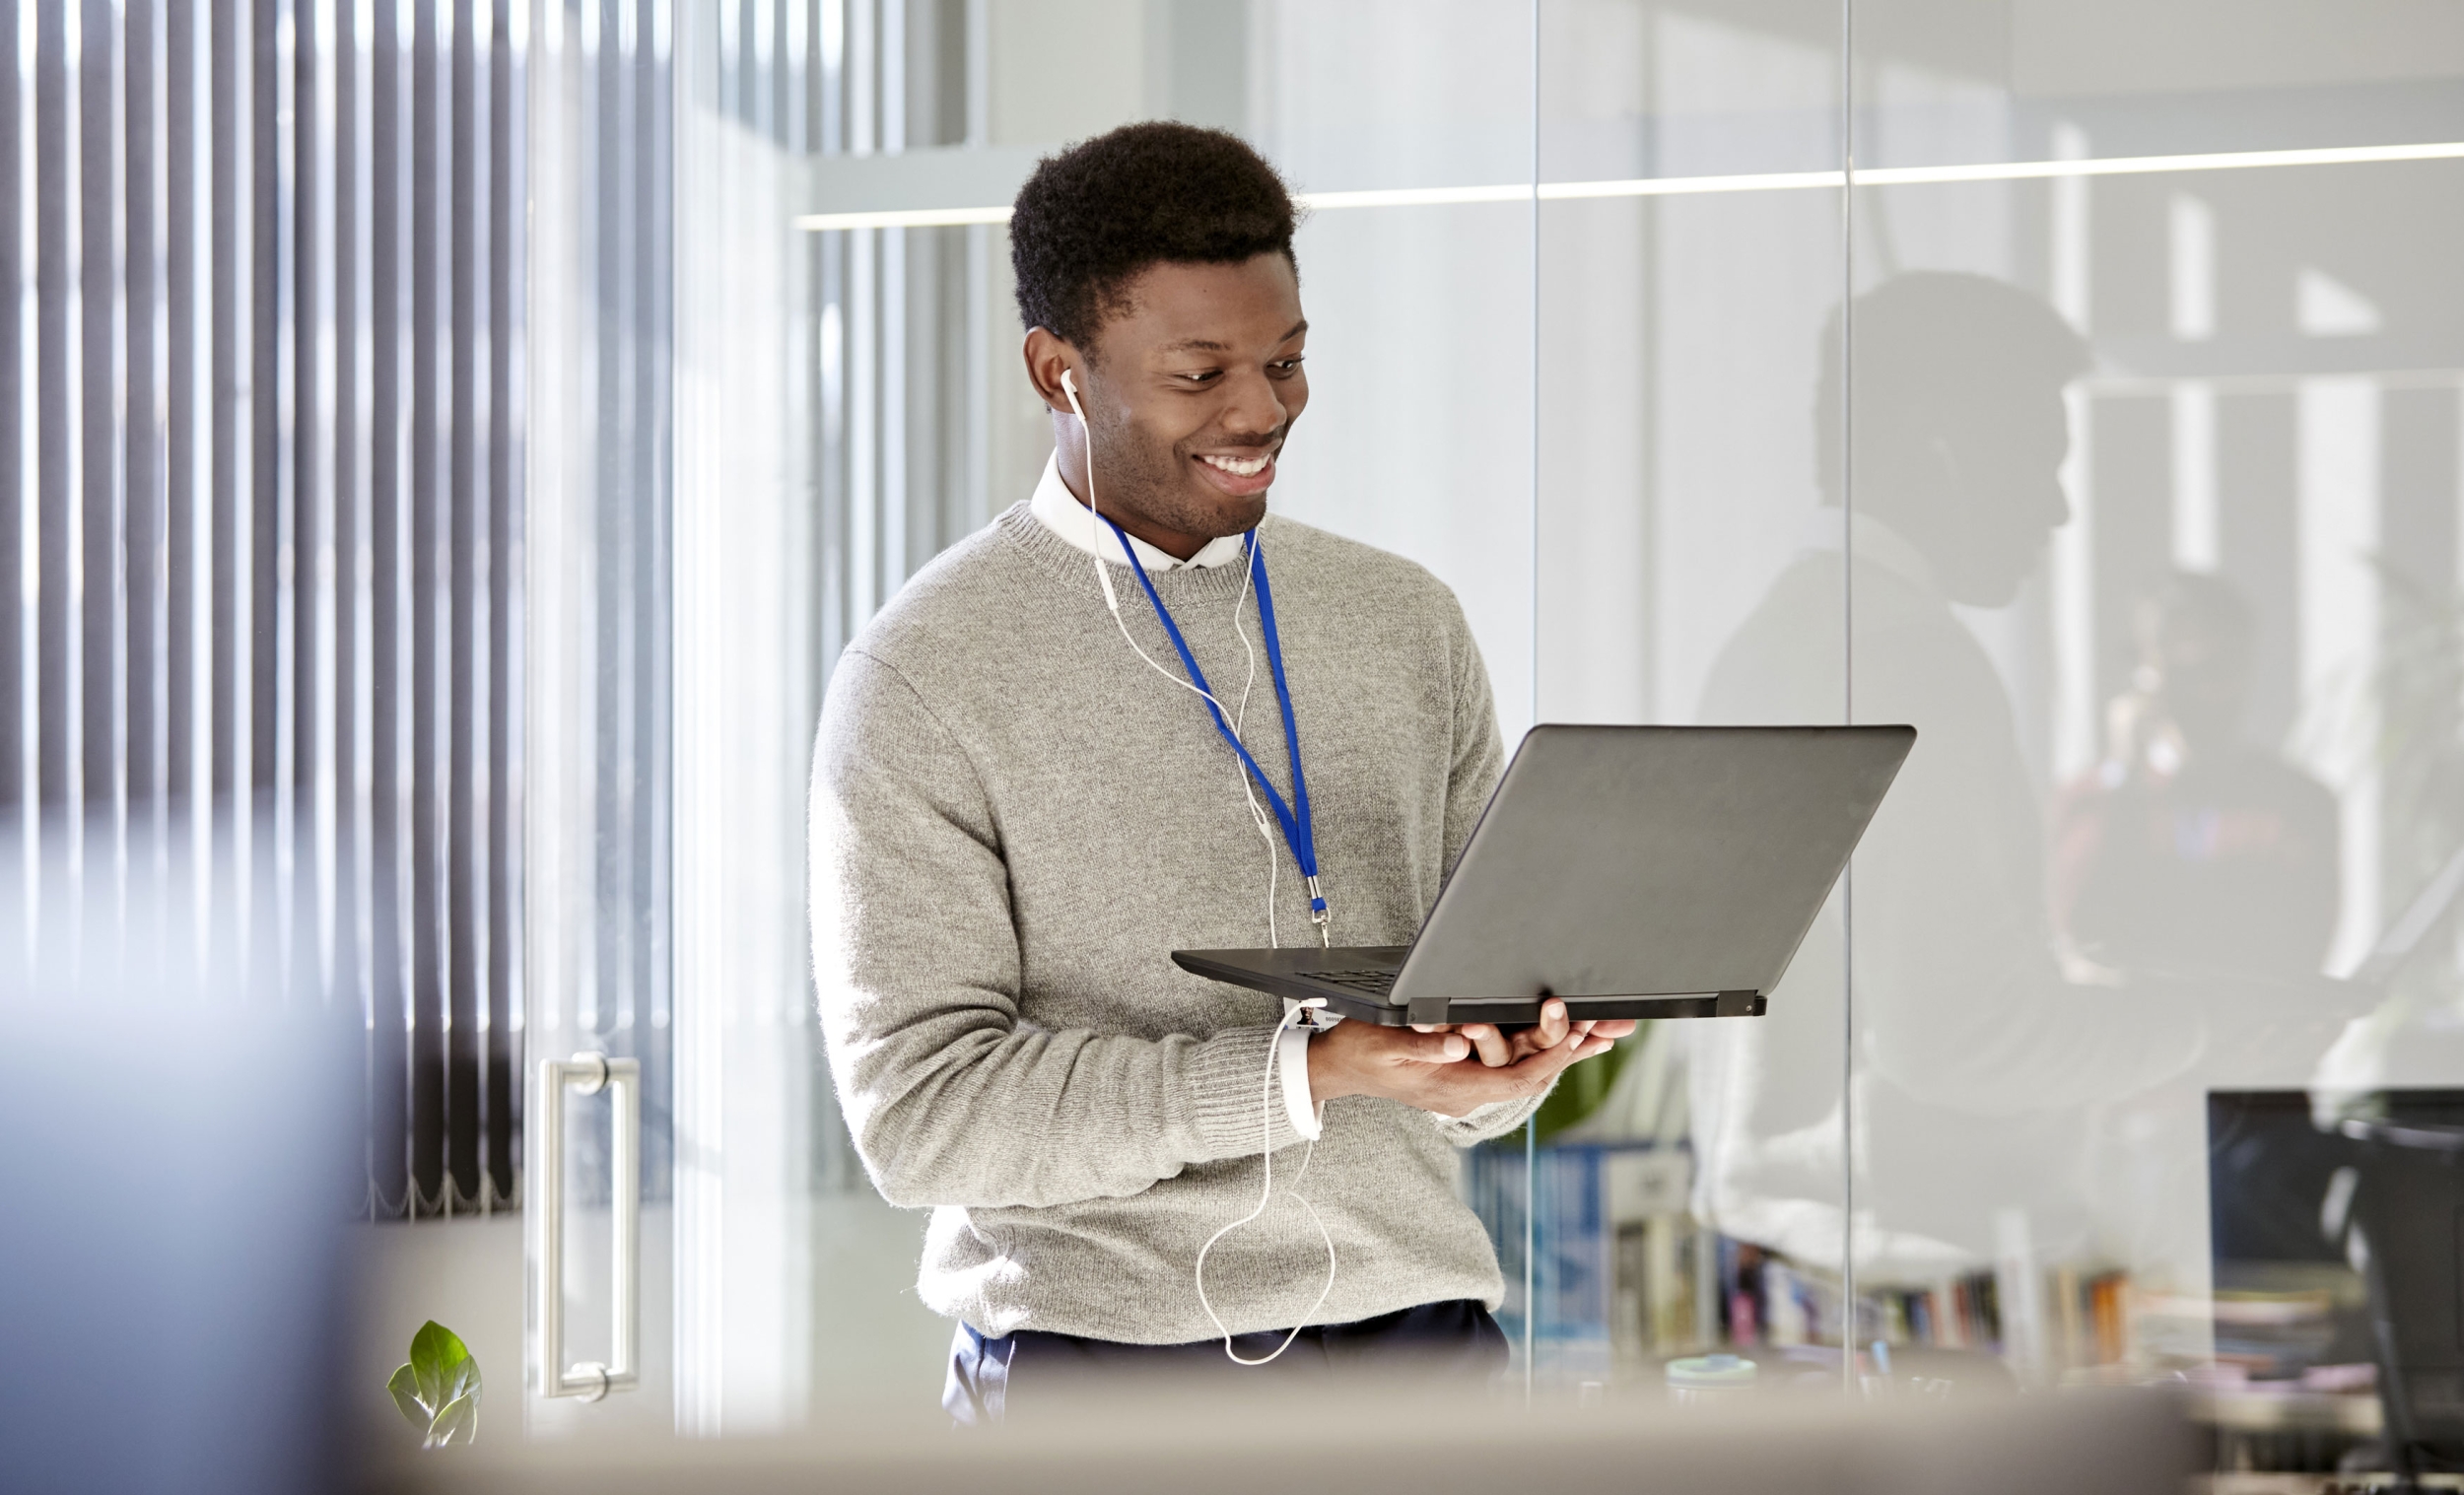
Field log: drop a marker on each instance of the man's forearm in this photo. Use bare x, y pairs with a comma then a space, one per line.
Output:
997, 1120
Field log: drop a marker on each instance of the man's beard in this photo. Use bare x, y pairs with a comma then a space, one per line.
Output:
1148, 482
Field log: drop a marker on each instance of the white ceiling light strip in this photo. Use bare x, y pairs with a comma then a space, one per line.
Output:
2135, 166
1763, 182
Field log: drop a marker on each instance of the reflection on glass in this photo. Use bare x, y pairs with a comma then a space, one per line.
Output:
2166, 851
1974, 1062
2106, 1072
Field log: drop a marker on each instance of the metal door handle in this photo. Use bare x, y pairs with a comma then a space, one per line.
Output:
622, 1079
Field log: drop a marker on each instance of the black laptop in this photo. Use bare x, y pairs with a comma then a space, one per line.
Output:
1632, 871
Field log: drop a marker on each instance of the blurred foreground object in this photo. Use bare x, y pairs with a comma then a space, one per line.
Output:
1138, 1441
177, 1161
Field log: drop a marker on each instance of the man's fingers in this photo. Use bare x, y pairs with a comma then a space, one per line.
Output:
1527, 1076
1441, 1047
1496, 1050
1457, 1089
1553, 1024
1544, 1066
1523, 1063
1411, 1045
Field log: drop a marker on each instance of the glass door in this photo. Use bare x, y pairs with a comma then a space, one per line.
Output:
599, 868
849, 401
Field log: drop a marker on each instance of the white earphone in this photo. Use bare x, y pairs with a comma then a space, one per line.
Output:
1258, 813
1094, 535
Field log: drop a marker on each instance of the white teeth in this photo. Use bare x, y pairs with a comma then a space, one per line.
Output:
1235, 466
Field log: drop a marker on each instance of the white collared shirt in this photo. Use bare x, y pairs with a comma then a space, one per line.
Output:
1066, 516
1059, 511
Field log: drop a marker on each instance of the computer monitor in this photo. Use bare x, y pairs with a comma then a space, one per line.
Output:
2374, 1190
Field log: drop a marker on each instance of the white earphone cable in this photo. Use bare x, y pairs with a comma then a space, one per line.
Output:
1257, 813
1266, 1194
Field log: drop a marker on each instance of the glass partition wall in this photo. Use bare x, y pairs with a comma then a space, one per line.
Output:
2078, 383
2160, 469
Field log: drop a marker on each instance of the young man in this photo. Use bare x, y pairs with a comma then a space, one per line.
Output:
1016, 817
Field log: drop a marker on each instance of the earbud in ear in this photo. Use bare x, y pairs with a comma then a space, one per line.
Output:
1103, 575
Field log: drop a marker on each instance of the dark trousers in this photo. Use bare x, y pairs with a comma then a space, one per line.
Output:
1456, 1343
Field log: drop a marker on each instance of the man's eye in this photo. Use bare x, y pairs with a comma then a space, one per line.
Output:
1287, 366
1207, 377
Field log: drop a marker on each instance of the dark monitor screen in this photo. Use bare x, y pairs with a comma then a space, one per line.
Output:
2299, 1205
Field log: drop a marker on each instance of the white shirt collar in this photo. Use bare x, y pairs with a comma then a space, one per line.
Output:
1873, 540
1063, 514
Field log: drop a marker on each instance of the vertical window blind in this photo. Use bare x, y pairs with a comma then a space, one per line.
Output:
262, 642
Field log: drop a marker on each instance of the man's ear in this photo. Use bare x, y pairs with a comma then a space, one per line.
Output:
1047, 356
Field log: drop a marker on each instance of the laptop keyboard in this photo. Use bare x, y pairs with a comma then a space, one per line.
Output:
1374, 982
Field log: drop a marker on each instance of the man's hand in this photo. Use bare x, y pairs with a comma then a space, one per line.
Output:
1498, 1048
1433, 1070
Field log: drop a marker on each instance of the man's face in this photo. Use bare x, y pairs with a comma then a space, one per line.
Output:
2008, 461
1191, 391
2200, 675
1975, 481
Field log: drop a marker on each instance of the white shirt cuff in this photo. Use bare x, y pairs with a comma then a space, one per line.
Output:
1292, 1057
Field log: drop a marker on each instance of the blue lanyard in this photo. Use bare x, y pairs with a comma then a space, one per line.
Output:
1298, 831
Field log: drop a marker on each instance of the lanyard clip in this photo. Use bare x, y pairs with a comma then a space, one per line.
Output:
1318, 913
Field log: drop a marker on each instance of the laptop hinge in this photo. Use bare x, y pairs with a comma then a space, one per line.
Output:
1428, 1010
1738, 1004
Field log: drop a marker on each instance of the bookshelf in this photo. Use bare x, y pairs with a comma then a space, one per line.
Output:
1628, 1277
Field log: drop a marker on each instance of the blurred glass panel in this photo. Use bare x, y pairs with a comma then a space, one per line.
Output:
2156, 492
1419, 438
1689, 1182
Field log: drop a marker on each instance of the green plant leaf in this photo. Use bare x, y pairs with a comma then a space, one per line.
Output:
436, 1353
463, 1379
458, 1423
405, 1389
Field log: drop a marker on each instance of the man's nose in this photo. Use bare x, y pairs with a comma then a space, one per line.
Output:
1255, 407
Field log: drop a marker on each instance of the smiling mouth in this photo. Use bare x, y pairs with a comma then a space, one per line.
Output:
1239, 467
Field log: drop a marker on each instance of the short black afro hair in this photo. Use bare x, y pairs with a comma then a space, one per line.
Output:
1094, 216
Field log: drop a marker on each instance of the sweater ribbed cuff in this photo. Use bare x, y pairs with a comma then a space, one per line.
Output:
1227, 1081
1484, 1123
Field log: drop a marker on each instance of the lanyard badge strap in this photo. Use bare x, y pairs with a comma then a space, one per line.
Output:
1299, 832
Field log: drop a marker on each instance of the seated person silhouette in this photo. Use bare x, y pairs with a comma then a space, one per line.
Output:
1975, 1063
2188, 849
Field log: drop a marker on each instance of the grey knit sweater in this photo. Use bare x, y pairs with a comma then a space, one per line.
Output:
1016, 821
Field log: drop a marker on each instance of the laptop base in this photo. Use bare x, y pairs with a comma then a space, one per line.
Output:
1347, 980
